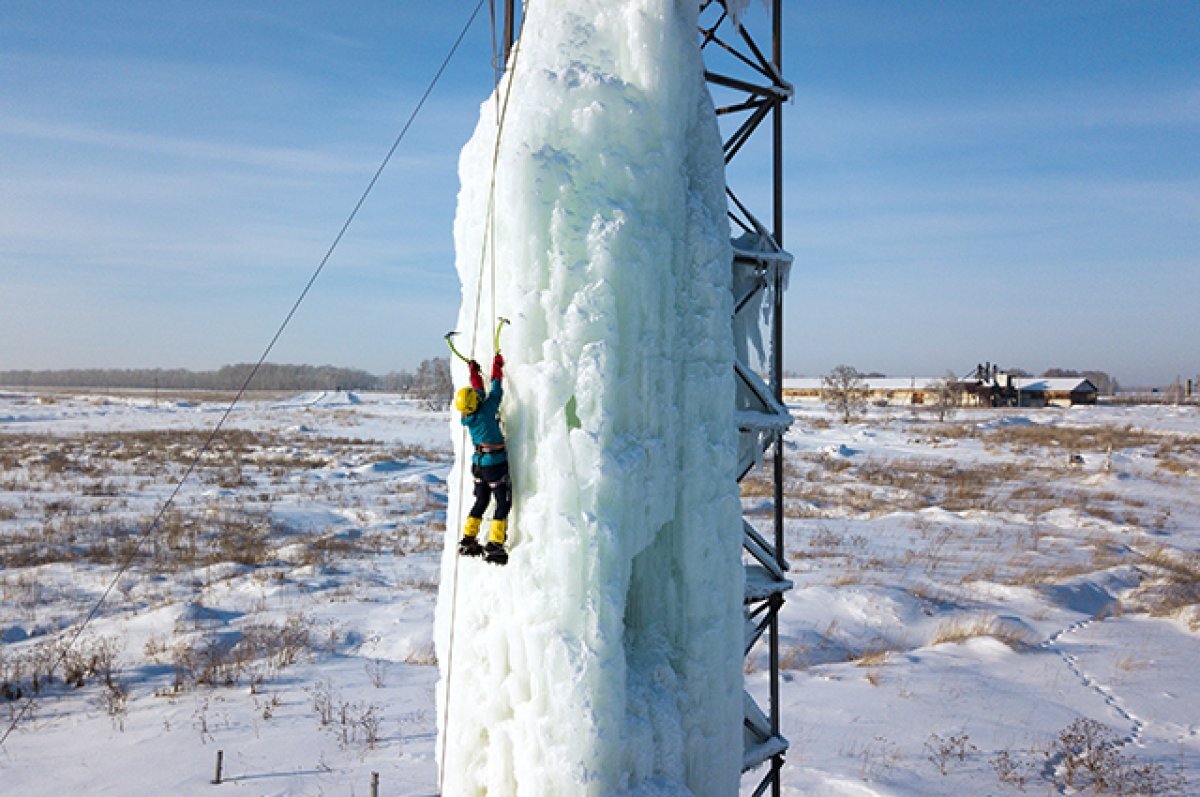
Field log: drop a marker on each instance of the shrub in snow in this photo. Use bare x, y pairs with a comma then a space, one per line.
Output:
845, 392
1086, 757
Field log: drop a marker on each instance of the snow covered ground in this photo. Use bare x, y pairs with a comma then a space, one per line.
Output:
973, 600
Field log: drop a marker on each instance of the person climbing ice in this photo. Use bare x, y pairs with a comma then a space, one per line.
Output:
489, 464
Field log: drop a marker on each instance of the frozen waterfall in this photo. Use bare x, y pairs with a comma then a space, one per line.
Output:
605, 659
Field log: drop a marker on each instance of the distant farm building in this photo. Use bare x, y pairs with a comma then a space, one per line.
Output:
1003, 390
895, 391
999, 390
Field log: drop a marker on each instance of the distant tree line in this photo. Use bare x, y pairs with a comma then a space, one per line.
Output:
432, 378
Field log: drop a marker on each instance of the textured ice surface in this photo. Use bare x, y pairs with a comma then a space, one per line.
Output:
605, 659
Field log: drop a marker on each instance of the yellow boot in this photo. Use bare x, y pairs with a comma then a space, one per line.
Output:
494, 551
469, 544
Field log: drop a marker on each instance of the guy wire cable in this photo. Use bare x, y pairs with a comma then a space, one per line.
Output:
154, 524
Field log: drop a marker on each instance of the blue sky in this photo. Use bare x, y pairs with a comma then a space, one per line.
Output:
1012, 181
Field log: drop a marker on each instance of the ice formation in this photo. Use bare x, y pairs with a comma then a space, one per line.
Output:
605, 659
737, 8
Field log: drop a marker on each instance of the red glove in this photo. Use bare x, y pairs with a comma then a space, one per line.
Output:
476, 375
498, 367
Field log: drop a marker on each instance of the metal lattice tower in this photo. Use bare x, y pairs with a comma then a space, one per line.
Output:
744, 70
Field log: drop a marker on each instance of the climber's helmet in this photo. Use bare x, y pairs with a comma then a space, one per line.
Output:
466, 400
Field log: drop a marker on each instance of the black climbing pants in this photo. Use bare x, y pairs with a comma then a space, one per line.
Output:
492, 481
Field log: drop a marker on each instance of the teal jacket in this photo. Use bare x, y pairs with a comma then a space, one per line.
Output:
484, 426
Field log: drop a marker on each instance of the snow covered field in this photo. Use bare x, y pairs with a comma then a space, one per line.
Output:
973, 600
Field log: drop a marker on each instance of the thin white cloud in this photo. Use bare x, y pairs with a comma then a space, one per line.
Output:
290, 159
830, 121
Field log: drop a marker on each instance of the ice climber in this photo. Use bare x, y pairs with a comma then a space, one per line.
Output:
489, 464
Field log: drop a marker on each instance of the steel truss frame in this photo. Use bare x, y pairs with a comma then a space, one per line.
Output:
744, 70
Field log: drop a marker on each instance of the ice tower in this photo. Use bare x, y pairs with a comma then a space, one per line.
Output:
606, 658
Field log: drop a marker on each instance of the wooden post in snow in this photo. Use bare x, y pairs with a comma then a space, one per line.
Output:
220, 760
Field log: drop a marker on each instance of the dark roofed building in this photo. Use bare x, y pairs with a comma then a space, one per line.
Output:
1004, 390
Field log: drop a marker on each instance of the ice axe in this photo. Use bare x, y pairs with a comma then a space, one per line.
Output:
499, 326
450, 342
496, 341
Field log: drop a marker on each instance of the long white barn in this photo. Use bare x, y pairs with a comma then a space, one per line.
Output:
1003, 390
